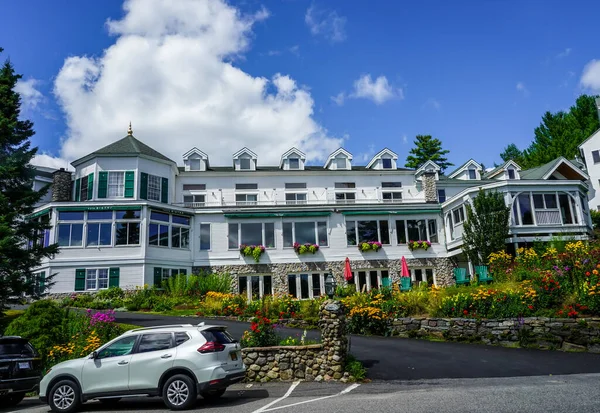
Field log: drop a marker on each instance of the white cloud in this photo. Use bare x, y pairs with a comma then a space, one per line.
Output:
432, 103
169, 71
523, 89
326, 23
590, 78
378, 91
31, 97
404, 139
339, 98
564, 53
50, 161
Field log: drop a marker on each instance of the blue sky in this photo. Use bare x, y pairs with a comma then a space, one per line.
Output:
477, 75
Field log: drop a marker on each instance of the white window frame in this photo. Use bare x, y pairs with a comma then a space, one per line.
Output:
514, 173
194, 203
316, 224
296, 201
249, 168
96, 221
127, 221
296, 167
97, 279
426, 230
261, 284
263, 242
192, 162
378, 230
461, 216
246, 202
153, 190
368, 285
594, 158
474, 171
119, 187
574, 213
70, 224
413, 274
209, 236
383, 163
338, 162
298, 282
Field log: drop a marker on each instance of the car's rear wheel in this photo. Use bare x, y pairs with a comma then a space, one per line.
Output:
12, 399
212, 394
179, 392
64, 397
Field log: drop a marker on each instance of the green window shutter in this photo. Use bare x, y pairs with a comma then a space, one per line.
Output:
157, 276
80, 280
90, 193
143, 185
113, 277
102, 184
78, 189
129, 183
164, 198
42, 281
183, 271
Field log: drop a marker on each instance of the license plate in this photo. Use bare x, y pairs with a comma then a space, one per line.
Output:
24, 365
233, 355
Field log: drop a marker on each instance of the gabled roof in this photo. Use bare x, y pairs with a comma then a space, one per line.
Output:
501, 168
242, 151
128, 146
336, 153
380, 154
546, 170
427, 165
463, 167
291, 151
196, 151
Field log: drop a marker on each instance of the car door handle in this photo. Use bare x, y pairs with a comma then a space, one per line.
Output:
166, 356
122, 363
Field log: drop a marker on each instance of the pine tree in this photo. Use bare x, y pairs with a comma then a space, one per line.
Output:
486, 228
512, 153
21, 248
427, 149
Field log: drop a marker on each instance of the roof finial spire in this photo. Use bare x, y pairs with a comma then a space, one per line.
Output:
129, 130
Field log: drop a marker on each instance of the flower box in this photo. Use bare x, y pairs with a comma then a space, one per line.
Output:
416, 245
370, 246
254, 251
307, 248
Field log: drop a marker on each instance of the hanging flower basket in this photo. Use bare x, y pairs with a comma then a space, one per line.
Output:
416, 245
307, 248
254, 251
370, 246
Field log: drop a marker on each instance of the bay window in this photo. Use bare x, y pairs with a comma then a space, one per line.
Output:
255, 287
167, 230
554, 208
365, 231
251, 233
305, 232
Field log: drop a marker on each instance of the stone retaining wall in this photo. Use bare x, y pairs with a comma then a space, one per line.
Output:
531, 332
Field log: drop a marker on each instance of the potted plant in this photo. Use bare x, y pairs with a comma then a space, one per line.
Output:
255, 251
305, 248
415, 245
370, 246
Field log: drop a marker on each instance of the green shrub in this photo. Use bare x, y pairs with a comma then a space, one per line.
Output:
355, 368
141, 299
343, 291
197, 284
113, 293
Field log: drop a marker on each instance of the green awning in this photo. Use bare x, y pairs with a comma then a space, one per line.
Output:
405, 212
39, 213
101, 208
278, 215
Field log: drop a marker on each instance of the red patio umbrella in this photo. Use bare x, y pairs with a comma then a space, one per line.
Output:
404, 272
347, 270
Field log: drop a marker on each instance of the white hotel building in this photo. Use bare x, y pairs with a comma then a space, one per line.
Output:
130, 216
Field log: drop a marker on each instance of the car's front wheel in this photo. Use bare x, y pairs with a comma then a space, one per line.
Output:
12, 399
179, 392
64, 397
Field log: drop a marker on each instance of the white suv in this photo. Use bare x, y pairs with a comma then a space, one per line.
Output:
175, 362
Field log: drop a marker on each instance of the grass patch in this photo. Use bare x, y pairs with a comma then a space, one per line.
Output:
355, 368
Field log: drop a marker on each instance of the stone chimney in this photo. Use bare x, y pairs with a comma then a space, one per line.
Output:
61, 186
429, 186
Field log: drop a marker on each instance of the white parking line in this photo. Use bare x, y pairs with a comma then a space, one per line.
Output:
346, 390
286, 395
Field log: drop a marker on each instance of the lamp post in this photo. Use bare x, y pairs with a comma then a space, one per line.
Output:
330, 284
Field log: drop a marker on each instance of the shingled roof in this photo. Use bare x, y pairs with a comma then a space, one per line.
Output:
128, 146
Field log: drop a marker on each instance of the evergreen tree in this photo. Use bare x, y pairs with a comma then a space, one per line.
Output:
427, 149
512, 153
21, 239
486, 228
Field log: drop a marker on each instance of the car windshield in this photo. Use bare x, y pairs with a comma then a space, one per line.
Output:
11, 348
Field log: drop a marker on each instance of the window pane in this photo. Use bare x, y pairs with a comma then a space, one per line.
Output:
233, 236
176, 219
93, 232
295, 185
251, 234
340, 163
565, 211
194, 187
153, 234
511, 174
99, 215
103, 278
175, 237
246, 186
304, 286
204, 236
133, 234
433, 236
181, 338
185, 237
294, 163
345, 185
441, 195
574, 210
384, 231
128, 214
538, 201
373, 279
121, 233
322, 231
70, 216
526, 213
163, 235
387, 163
154, 188
367, 231
316, 285
155, 342
267, 285
292, 290
269, 235
159, 216
413, 230
550, 201
362, 281
244, 163
255, 287
472, 174
400, 232
288, 240
596, 156
351, 232
305, 232
429, 276
516, 214
77, 234
243, 285
391, 184
120, 347
90, 280
116, 186
194, 164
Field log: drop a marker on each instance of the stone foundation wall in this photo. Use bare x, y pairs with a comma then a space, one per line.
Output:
532, 332
443, 268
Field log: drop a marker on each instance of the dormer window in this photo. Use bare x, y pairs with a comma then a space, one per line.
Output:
386, 163
340, 159
511, 174
385, 159
294, 163
472, 174
340, 163
195, 160
245, 164
195, 164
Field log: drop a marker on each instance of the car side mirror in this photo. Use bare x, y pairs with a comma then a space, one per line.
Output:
95, 355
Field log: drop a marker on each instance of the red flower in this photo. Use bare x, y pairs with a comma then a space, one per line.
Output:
587, 273
254, 327
530, 307
452, 308
465, 312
